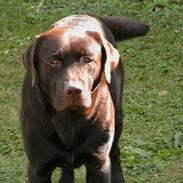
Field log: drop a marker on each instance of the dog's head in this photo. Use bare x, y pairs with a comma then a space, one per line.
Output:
67, 64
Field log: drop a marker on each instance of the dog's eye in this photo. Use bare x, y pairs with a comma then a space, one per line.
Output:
55, 63
86, 59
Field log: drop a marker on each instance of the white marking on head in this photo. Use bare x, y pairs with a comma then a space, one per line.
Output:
80, 23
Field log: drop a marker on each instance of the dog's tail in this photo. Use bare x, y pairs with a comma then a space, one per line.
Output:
123, 28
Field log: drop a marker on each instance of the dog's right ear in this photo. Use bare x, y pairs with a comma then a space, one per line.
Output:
29, 61
110, 54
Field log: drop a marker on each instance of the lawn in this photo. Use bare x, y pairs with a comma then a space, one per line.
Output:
152, 139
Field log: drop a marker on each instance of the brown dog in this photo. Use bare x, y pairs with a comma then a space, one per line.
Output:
72, 98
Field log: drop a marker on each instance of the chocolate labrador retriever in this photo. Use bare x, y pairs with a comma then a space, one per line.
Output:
72, 98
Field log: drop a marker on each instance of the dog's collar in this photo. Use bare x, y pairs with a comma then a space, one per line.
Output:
97, 82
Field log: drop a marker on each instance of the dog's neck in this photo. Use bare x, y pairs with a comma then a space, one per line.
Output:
100, 97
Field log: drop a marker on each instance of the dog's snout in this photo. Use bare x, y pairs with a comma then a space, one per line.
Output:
72, 90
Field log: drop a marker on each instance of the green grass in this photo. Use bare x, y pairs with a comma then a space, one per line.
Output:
152, 140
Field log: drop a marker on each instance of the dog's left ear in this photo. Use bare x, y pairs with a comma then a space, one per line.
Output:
109, 54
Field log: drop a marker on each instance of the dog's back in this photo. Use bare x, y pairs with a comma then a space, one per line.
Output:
121, 28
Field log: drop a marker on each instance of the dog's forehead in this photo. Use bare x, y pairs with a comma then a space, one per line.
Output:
83, 44
68, 40
70, 32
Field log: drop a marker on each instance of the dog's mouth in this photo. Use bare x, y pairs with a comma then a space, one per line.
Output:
72, 103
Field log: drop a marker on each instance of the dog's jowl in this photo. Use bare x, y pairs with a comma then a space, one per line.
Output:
71, 111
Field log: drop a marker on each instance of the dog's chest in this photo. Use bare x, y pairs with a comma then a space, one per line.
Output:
69, 134
71, 130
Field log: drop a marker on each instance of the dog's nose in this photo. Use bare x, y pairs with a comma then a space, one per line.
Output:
71, 90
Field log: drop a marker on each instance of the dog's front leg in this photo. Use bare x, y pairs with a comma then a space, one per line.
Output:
98, 171
67, 176
39, 174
